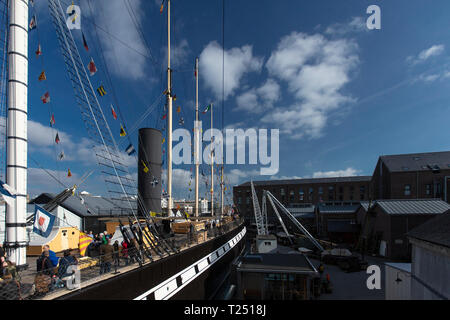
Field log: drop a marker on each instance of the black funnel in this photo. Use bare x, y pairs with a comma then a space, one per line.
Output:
150, 156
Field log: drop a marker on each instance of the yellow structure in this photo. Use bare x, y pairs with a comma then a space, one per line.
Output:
60, 239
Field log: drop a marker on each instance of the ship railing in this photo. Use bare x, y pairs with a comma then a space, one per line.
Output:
30, 284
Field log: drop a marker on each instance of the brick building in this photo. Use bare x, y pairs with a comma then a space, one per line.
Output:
385, 224
298, 194
412, 176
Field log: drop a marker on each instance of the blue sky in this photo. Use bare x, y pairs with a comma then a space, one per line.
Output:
340, 94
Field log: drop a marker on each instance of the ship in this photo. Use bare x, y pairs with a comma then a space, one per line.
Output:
162, 268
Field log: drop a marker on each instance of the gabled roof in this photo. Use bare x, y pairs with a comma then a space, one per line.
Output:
436, 230
338, 209
414, 206
98, 206
417, 161
307, 181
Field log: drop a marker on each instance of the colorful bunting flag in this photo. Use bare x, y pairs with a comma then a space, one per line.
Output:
130, 150
164, 116
42, 76
61, 155
92, 68
181, 122
84, 42
161, 9
175, 97
38, 51
52, 120
83, 243
145, 167
122, 131
113, 112
101, 91
178, 109
45, 98
69, 174
163, 140
33, 23
208, 107
154, 182
57, 138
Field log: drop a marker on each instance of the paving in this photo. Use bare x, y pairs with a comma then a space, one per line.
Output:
348, 285
352, 285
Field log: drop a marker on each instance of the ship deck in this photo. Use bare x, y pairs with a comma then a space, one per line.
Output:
90, 268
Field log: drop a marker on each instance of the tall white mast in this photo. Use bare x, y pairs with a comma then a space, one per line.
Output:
212, 164
196, 140
221, 189
16, 165
169, 116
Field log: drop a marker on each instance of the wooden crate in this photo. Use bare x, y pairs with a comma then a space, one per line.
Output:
185, 227
198, 226
201, 236
227, 219
181, 227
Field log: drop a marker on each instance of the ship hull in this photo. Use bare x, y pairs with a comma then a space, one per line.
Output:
194, 273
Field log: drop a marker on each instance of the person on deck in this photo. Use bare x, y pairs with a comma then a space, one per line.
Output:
125, 251
51, 254
44, 264
116, 253
3, 263
64, 264
106, 257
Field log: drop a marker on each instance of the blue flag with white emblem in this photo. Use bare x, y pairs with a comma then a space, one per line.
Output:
43, 221
8, 193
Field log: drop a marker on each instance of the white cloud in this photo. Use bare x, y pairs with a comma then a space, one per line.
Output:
238, 62
178, 54
236, 176
285, 177
339, 173
357, 24
247, 101
115, 19
424, 55
259, 100
316, 70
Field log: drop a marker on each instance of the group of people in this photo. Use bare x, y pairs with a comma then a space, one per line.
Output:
9, 278
108, 253
52, 270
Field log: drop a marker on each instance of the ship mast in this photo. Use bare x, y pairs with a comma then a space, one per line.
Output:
16, 165
212, 164
169, 116
196, 137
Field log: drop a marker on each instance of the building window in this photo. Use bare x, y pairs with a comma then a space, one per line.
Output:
341, 189
331, 193
247, 200
407, 189
301, 194
239, 200
438, 190
311, 193
291, 196
320, 190
428, 189
282, 191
